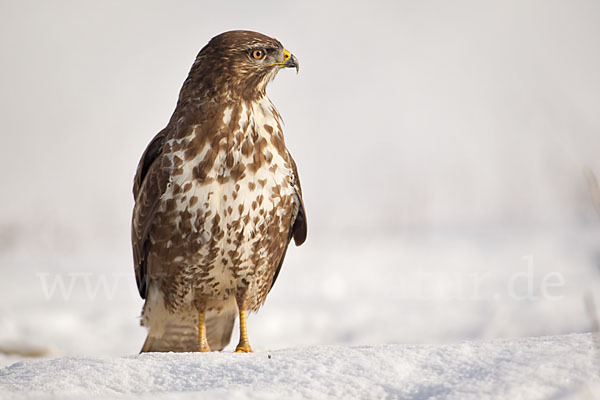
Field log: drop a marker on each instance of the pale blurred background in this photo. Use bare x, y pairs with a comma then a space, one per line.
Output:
449, 139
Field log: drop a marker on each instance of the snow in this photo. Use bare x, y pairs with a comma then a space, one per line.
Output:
529, 368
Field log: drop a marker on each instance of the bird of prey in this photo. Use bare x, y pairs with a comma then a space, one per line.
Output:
217, 199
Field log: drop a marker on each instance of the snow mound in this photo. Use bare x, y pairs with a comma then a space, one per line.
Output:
529, 368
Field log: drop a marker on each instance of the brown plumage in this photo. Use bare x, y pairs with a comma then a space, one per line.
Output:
217, 199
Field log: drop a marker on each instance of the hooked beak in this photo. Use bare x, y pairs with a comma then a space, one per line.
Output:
289, 61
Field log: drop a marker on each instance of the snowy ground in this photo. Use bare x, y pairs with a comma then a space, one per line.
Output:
534, 368
369, 316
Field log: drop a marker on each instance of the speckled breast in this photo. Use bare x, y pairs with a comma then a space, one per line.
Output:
226, 213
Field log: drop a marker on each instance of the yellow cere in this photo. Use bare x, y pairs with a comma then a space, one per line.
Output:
286, 56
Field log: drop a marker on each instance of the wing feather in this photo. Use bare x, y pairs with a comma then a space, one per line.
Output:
298, 230
299, 226
148, 187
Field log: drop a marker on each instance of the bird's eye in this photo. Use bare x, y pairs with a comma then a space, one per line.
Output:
258, 54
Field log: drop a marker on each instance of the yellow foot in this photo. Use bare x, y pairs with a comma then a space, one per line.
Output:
243, 348
203, 346
243, 345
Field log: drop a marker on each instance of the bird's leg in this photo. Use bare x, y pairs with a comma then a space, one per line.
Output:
244, 345
203, 346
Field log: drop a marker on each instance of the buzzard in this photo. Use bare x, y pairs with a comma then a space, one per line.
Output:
217, 199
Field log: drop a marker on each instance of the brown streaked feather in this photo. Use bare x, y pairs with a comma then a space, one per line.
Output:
299, 227
147, 190
153, 150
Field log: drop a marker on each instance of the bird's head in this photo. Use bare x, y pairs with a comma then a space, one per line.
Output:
241, 63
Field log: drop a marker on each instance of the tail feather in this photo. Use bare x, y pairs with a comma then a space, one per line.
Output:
178, 336
181, 335
219, 328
